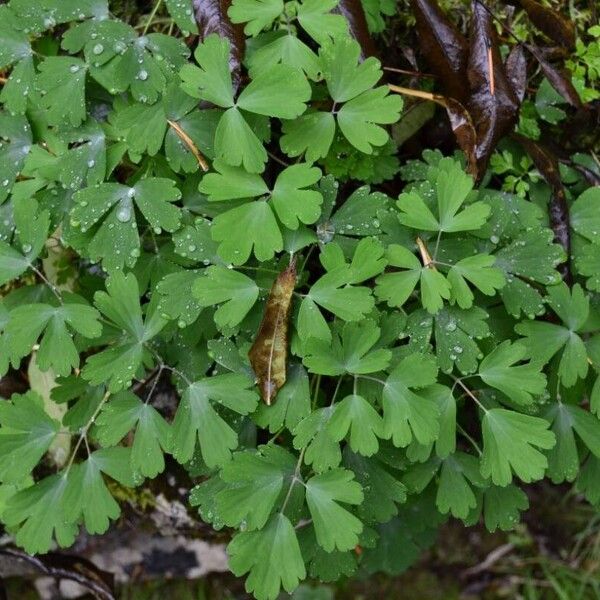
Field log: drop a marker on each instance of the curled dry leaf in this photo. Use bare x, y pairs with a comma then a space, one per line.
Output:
357, 24
460, 121
547, 164
268, 355
551, 22
493, 105
560, 79
211, 16
445, 49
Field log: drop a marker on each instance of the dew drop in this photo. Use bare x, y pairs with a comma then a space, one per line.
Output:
98, 49
124, 214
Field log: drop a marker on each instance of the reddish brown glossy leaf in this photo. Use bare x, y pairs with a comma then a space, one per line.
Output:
516, 70
268, 355
560, 79
547, 164
211, 16
460, 121
559, 29
357, 23
443, 46
493, 104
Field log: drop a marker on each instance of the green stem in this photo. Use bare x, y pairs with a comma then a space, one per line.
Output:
151, 17
85, 430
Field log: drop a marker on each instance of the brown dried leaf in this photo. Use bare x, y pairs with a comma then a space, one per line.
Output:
460, 121
516, 70
559, 29
211, 16
268, 355
493, 104
357, 23
547, 164
560, 79
443, 46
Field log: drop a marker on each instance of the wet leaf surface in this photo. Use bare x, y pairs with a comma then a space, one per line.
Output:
445, 49
493, 104
516, 70
560, 79
268, 355
547, 164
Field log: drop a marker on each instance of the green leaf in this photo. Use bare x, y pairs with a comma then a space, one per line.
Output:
479, 271
254, 482
352, 353
249, 228
453, 186
360, 118
15, 44
40, 512
118, 364
457, 474
335, 527
177, 300
406, 414
286, 49
87, 493
111, 205
196, 419
520, 383
311, 134
544, 340
183, 15
12, 263
583, 215
322, 451
25, 436
237, 143
347, 78
271, 556
510, 442
57, 350
212, 80
354, 415
396, 288
456, 332
280, 91
316, 19
292, 203
257, 14
382, 491
20, 85
15, 147
61, 84
333, 293
293, 402
502, 507
236, 293
125, 412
